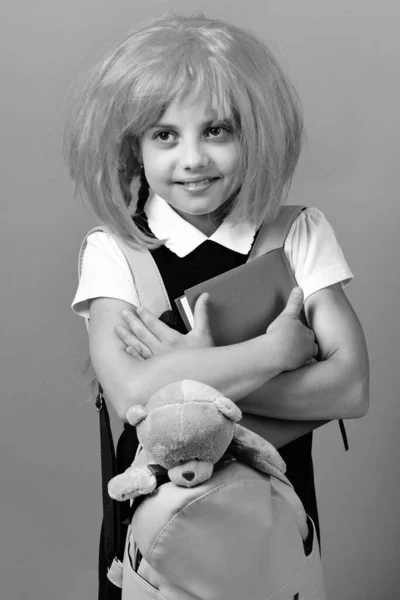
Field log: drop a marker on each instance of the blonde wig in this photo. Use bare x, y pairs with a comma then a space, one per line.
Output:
183, 56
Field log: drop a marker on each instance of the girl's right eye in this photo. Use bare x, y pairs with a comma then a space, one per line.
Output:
163, 136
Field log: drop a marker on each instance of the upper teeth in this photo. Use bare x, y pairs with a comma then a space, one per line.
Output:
195, 183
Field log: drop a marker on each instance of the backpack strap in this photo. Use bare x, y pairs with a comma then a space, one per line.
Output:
84, 244
148, 281
152, 294
273, 235
146, 276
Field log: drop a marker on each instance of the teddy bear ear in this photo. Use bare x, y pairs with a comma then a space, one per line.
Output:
136, 414
228, 408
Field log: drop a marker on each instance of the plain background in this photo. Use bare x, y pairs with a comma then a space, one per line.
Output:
344, 59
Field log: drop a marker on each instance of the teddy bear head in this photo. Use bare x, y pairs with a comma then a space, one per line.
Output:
186, 428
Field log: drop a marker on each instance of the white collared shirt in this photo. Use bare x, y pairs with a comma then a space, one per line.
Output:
182, 237
311, 247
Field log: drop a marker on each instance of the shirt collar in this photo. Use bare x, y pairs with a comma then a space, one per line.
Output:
182, 237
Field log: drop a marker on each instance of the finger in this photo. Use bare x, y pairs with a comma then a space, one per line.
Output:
139, 350
310, 332
316, 350
130, 318
294, 303
125, 335
132, 352
158, 328
201, 318
310, 361
136, 346
140, 329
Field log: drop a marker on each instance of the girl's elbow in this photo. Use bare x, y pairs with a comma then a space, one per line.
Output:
121, 411
123, 390
358, 403
122, 400
118, 404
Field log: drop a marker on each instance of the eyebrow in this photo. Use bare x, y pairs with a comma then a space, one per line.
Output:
203, 125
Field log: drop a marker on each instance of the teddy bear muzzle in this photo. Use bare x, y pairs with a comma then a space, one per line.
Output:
191, 473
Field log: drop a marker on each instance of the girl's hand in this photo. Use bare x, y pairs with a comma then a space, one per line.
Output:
295, 343
146, 336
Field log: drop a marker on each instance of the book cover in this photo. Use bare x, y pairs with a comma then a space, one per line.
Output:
244, 300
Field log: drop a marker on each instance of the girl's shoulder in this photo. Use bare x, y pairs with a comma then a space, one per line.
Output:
99, 246
312, 218
314, 252
311, 227
102, 239
103, 272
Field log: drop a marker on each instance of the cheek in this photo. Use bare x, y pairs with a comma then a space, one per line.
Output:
230, 160
157, 166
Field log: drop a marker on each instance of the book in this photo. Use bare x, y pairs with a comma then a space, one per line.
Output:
244, 300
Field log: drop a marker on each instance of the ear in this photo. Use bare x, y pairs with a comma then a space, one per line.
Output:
228, 408
257, 452
136, 414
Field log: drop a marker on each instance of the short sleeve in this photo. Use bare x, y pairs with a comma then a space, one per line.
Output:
105, 273
314, 253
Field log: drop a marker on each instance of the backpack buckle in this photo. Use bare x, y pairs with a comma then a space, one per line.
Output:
99, 401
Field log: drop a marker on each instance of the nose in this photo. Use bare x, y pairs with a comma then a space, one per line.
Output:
193, 155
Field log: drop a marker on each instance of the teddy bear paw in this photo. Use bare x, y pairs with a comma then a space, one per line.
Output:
135, 481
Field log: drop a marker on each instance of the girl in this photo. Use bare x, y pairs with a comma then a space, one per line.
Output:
185, 139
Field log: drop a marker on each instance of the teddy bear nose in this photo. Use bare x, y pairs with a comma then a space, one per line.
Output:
188, 475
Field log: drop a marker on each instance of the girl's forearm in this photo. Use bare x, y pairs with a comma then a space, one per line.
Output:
327, 390
279, 432
235, 371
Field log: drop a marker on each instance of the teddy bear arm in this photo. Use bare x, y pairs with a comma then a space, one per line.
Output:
135, 481
257, 452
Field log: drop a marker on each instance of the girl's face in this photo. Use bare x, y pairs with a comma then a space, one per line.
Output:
192, 161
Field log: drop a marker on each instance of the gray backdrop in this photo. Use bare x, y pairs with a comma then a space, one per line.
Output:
344, 57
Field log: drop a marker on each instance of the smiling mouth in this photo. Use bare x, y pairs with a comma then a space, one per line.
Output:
197, 184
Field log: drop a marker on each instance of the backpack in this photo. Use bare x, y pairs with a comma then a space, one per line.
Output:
237, 535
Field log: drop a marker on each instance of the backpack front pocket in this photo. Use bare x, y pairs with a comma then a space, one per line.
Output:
133, 584
307, 583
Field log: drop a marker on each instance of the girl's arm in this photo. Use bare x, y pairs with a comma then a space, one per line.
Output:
335, 387
235, 370
279, 432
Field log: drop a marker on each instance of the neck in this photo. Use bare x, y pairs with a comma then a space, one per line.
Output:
204, 223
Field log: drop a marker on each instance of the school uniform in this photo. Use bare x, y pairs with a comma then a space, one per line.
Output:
187, 258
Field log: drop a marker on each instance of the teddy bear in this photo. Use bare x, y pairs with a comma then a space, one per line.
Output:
186, 428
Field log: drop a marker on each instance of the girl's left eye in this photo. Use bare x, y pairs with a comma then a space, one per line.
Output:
217, 131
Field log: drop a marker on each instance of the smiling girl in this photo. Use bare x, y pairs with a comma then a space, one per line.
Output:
185, 140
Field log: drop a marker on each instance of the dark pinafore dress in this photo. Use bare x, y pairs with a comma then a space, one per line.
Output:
208, 260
